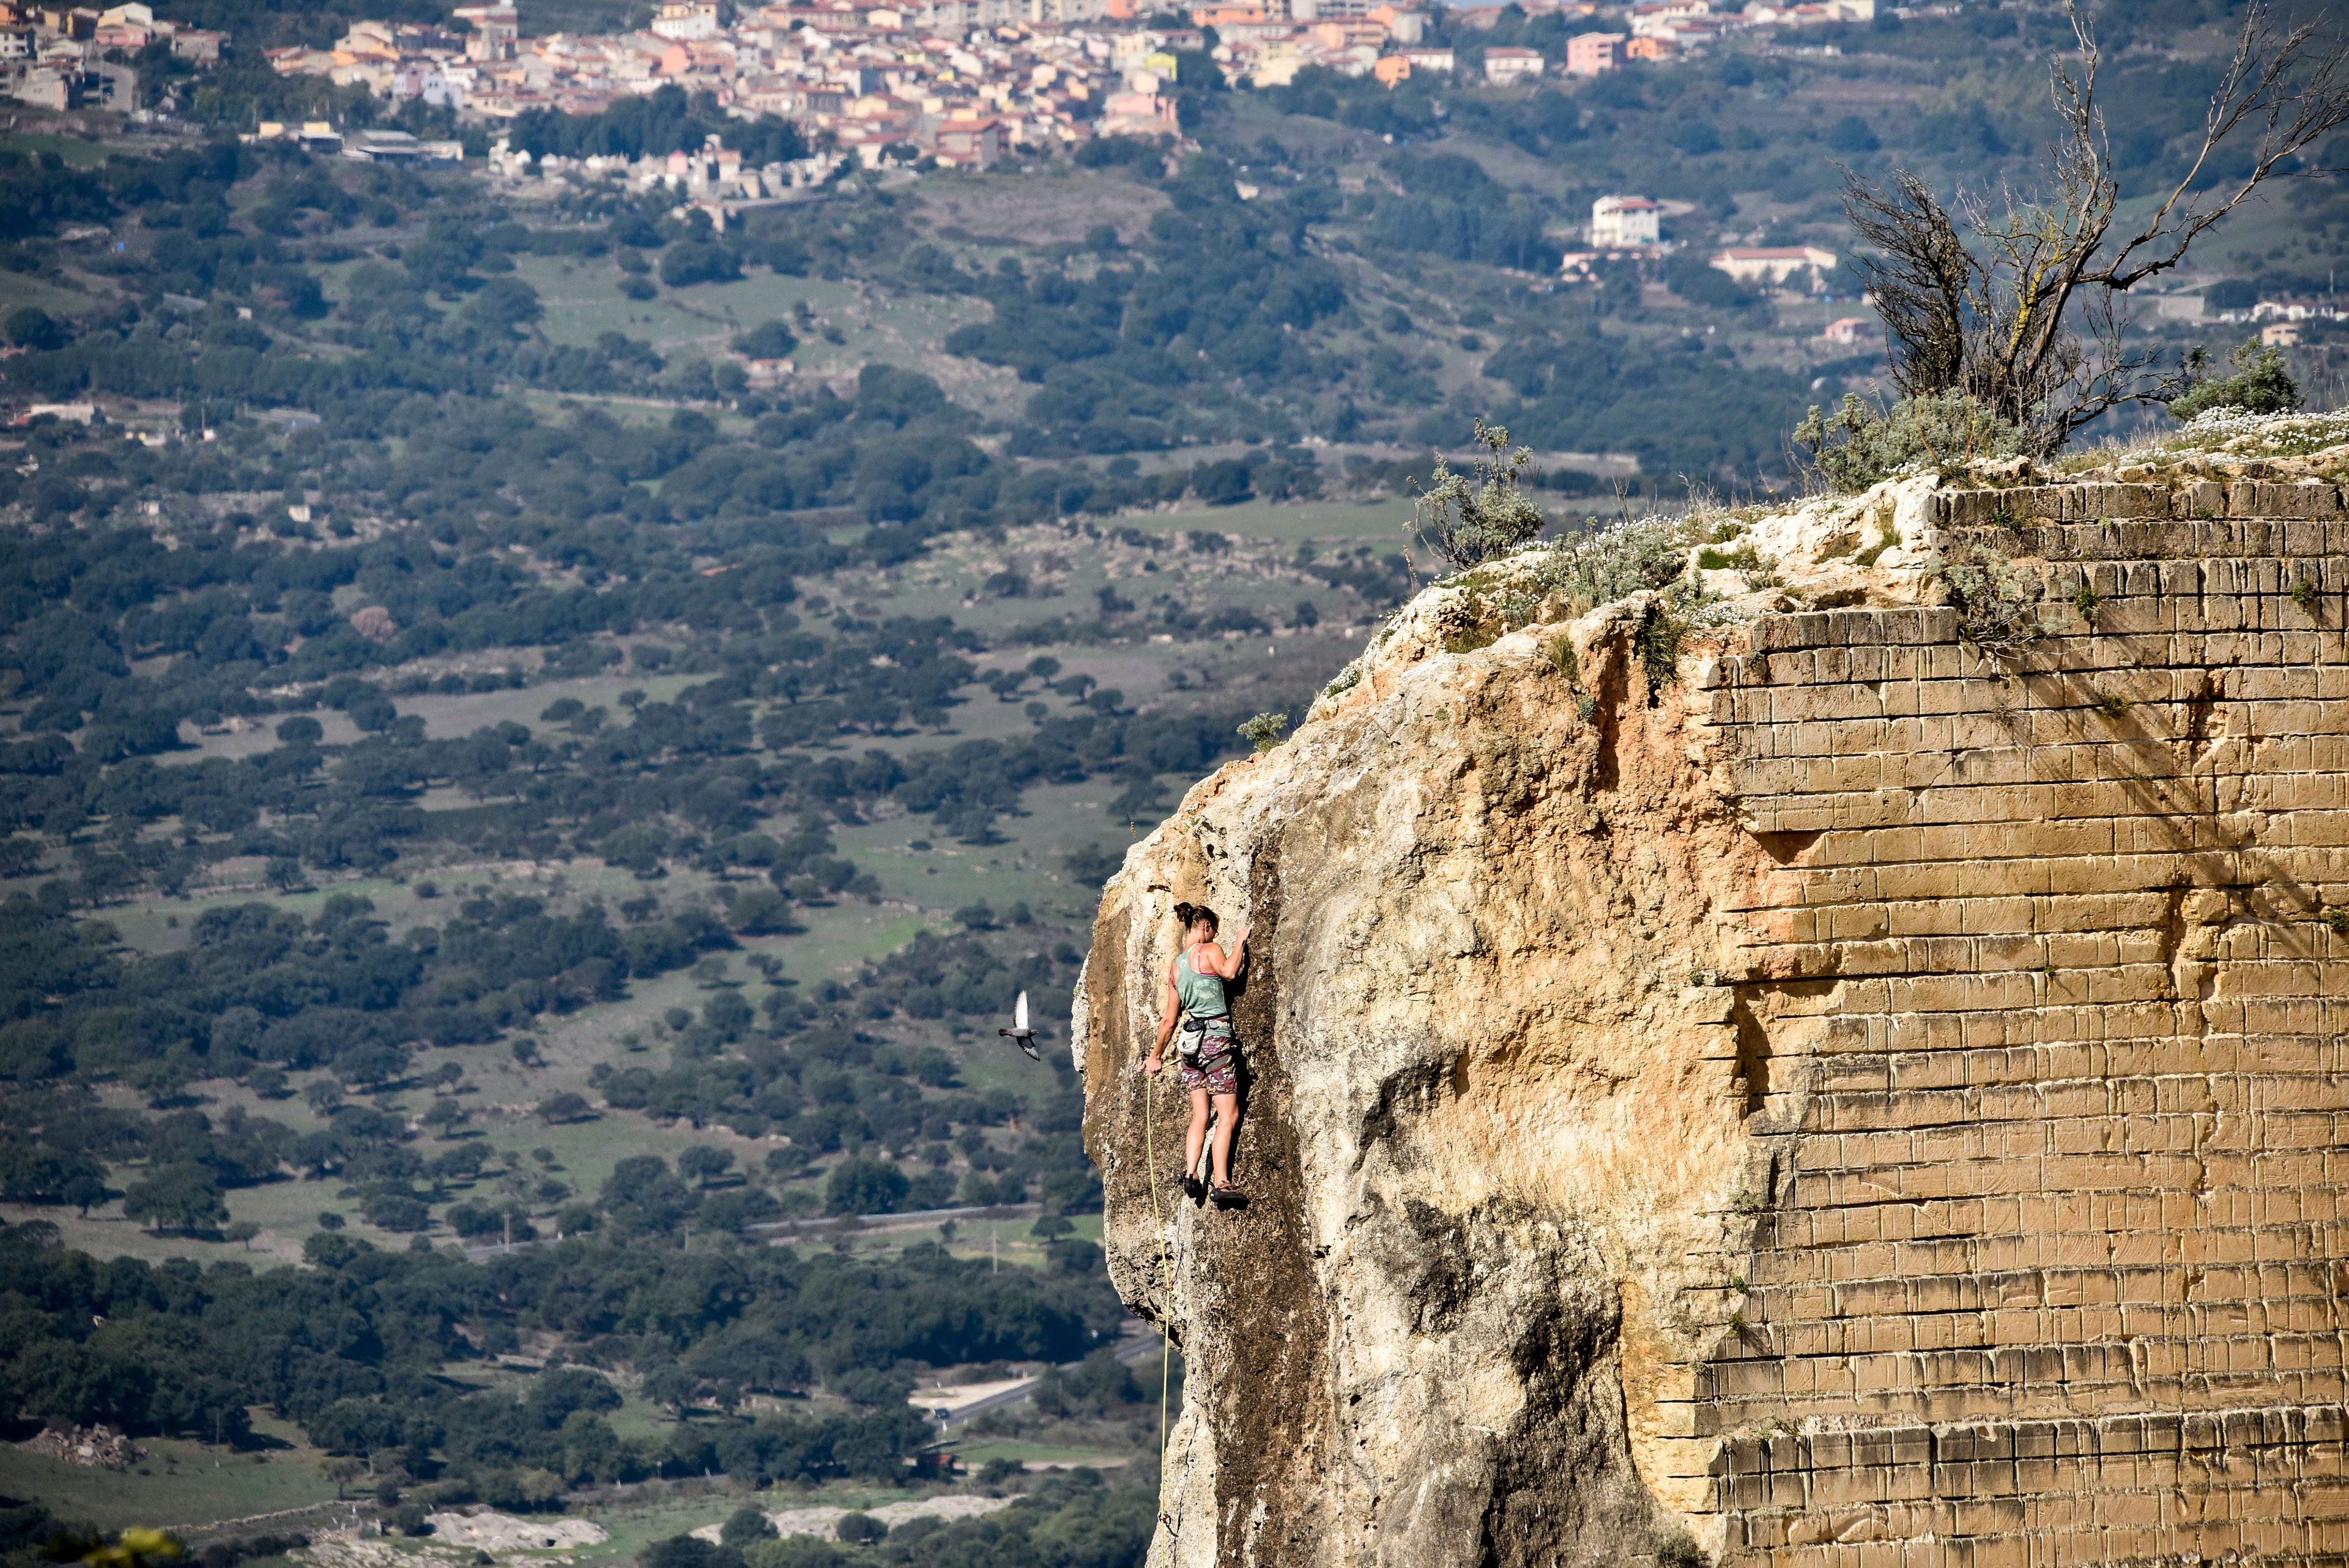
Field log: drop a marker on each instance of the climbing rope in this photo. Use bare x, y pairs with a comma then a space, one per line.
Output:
1166, 1273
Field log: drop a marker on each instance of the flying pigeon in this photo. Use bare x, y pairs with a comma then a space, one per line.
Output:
1020, 1033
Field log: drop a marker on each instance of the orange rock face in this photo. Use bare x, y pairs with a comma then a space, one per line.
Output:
1808, 1084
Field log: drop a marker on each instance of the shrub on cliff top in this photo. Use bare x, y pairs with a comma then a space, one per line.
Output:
1602, 566
1857, 446
1466, 523
2259, 386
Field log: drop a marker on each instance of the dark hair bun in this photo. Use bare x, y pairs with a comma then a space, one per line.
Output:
1189, 915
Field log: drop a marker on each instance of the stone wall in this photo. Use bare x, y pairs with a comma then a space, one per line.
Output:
2054, 1267
1861, 1102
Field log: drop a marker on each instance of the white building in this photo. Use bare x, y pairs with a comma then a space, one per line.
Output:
2296, 310
1509, 65
431, 85
48, 88
1655, 20
1772, 265
1809, 12
687, 20
960, 16
1618, 222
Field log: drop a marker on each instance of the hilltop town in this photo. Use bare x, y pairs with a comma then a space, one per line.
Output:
1027, 74
965, 81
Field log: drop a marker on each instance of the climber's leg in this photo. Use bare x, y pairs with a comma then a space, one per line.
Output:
1228, 1115
1197, 1133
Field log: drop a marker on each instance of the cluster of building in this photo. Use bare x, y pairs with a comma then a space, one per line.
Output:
1660, 29
1265, 42
713, 177
364, 146
965, 81
2281, 321
1632, 227
960, 81
1657, 28
55, 57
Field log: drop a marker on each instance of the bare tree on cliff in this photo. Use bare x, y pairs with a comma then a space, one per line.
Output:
2015, 301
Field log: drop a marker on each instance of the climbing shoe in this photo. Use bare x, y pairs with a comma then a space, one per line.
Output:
1227, 1197
1194, 1189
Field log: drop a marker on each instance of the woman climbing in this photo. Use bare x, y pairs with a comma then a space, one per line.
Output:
1209, 1064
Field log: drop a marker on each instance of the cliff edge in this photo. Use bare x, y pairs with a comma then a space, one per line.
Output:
1831, 1057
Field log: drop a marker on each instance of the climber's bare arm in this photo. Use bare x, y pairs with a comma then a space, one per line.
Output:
1213, 959
1171, 1010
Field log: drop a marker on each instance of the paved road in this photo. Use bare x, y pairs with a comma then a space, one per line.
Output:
1131, 1347
822, 1224
818, 1224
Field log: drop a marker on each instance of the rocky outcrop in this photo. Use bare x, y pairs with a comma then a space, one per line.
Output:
99, 1447
824, 1523
490, 1530
1738, 1075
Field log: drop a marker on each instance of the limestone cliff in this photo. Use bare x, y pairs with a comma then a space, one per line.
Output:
1774, 1074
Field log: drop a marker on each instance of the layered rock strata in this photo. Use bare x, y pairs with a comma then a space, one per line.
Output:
1820, 1093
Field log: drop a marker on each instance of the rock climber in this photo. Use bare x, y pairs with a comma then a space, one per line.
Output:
1210, 1059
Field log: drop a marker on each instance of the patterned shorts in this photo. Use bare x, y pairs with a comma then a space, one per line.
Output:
1216, 1067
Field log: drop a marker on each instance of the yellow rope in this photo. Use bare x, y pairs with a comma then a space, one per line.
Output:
1166, 1272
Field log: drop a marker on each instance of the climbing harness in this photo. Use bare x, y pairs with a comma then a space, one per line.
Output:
1193, 1034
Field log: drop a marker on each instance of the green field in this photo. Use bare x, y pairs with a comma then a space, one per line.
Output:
655, 1514
582, 301
1379, 522
19, 290
178, 1483
187, 1486
74, 150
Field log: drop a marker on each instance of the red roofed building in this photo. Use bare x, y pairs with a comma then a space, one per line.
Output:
1619, 223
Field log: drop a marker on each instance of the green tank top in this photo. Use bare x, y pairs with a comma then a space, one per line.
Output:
1202, 995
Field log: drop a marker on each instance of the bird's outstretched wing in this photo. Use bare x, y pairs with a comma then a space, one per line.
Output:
1020, 1033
